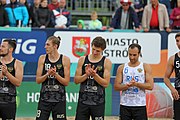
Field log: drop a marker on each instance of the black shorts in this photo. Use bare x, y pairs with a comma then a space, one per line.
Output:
8, 111
45, 108
176, 107
131, 112
84, 112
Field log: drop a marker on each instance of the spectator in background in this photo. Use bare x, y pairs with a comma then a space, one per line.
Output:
125, 17
30, 2
167, 4
139, 8
24, 2
155, 16
175, 17
94, 24
62, 17
4, 20
53, 5
80, 25
145, 2
3, 3
17, 14
43, 15
32, 12
173, 4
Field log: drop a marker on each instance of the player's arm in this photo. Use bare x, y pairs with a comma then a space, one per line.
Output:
118, 86
1, 74
149, 82
107, 74
66, 79
17, 79
169, 70
79, 78
39, 77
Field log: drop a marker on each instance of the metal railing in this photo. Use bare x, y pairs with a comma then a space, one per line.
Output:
85, 7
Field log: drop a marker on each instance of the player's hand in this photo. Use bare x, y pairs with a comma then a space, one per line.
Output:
175, 94
51, 71
54, 71
88, 70
93, 70
129, 84
133, 82
4, 69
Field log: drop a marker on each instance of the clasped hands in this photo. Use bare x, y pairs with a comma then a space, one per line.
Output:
4, 69
90, 71
132, 83
51, 71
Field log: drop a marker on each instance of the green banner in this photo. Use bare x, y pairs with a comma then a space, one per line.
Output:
28, 97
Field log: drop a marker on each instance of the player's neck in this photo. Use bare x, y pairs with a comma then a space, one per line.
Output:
133, 64
53, 56
7, 59
178, 53
94, 58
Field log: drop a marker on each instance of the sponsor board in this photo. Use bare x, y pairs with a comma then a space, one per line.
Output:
117, 45
30, 45
29, 93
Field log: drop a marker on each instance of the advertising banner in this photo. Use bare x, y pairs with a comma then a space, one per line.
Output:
76, 44
30, 45
28, 97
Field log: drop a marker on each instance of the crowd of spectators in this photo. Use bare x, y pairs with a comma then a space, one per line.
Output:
131, 14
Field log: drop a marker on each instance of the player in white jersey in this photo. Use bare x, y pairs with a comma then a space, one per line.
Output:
133, 78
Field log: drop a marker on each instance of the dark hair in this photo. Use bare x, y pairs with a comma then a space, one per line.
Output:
11, 43
177, 35
99, 42
55, 40
134, 45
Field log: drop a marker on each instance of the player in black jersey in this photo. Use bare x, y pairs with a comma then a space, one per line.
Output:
174, 64
54, 73
93, 74
11, 75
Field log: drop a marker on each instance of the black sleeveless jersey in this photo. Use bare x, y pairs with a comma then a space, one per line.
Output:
52, 90
7, 89
92, 93
177, 71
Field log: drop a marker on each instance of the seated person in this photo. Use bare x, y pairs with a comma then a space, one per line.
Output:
80, 25
43, 15
62, 17
95, 24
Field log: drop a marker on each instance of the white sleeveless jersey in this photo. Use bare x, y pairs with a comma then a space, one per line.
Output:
133, 96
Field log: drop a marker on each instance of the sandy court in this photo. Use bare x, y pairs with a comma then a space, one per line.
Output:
106, 118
